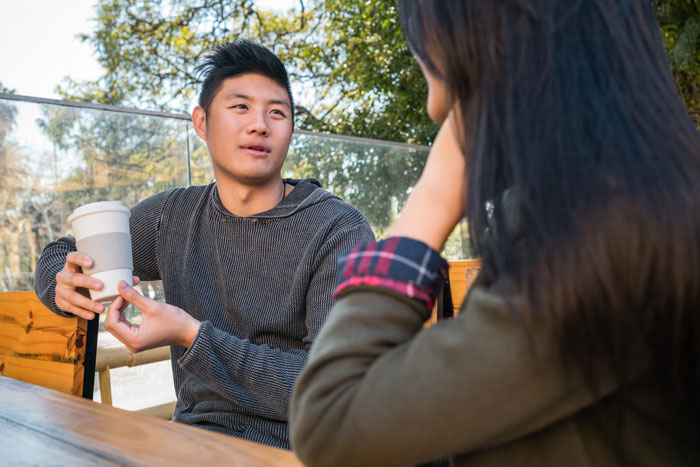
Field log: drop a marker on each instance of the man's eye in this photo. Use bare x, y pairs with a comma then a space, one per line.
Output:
239, 106
277, 112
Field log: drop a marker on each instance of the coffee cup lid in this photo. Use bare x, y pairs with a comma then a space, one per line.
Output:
100, 206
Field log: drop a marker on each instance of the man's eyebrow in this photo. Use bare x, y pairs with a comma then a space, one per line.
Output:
234, 94
279, 102
238, 95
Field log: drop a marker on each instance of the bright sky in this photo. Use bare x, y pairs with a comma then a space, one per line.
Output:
39, 45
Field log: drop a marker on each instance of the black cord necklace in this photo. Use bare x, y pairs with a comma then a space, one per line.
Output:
284, 191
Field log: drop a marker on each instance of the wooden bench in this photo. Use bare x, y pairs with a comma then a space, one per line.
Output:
461, 276
42, 348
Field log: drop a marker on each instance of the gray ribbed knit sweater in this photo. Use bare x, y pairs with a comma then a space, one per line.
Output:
261, 285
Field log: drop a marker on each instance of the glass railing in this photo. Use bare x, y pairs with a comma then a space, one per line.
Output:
56, 155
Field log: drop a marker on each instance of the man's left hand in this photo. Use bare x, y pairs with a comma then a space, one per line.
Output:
161, 324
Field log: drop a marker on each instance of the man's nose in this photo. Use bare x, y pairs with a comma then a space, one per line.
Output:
258, 125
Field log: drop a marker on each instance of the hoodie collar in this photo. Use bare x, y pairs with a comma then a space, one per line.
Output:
306, 192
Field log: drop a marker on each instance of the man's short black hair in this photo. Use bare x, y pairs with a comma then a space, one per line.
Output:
238, 58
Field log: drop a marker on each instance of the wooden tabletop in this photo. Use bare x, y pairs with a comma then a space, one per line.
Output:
40, 426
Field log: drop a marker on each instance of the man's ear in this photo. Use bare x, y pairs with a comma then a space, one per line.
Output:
199, 121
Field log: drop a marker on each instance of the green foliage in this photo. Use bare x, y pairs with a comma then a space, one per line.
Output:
365, 62
680, 24
350, 57
5, 89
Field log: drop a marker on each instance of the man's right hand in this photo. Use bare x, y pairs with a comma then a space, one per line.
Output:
72, 294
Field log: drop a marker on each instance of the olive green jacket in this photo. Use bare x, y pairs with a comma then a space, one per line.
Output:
379, 389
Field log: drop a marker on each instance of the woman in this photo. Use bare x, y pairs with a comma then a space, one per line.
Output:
565, 144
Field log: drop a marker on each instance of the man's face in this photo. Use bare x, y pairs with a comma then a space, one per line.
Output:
248, 129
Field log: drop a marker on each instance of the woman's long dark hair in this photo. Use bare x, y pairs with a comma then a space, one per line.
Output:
570, 113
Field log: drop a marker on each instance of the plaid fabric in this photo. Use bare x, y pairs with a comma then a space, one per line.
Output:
401, 264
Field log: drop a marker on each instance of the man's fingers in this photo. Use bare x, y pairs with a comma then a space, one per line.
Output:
78, 279
81, 313
76, 260
120, 304
76, 310
112, 315
75, 298
132, 296
115, 318
120, 327
135, 280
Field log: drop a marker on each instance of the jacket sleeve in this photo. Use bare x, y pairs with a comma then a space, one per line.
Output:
143, 225
379, 389
259, 377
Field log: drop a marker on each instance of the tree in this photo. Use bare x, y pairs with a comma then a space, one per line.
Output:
5, 89
18, 246
95, 155
350, 57
349, 54
114, 155
680, 24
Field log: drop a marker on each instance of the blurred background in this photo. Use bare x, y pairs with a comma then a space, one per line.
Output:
95, 97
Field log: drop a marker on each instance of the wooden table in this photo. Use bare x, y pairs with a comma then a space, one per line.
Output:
40, 426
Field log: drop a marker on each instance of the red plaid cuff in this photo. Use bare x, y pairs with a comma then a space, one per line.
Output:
400, 264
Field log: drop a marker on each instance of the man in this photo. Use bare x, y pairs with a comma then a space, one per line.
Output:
248, 263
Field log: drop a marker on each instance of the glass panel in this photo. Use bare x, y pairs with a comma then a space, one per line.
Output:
376, 177
55, 158
457, 244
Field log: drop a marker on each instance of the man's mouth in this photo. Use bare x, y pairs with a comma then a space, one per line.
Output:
257, 149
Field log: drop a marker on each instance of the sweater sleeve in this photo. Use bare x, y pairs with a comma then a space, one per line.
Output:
50, 263
379, 389
143, 225
259, 377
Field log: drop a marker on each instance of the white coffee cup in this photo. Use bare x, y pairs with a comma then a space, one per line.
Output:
101, 231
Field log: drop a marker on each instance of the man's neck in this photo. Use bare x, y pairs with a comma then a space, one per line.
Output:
245, 200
